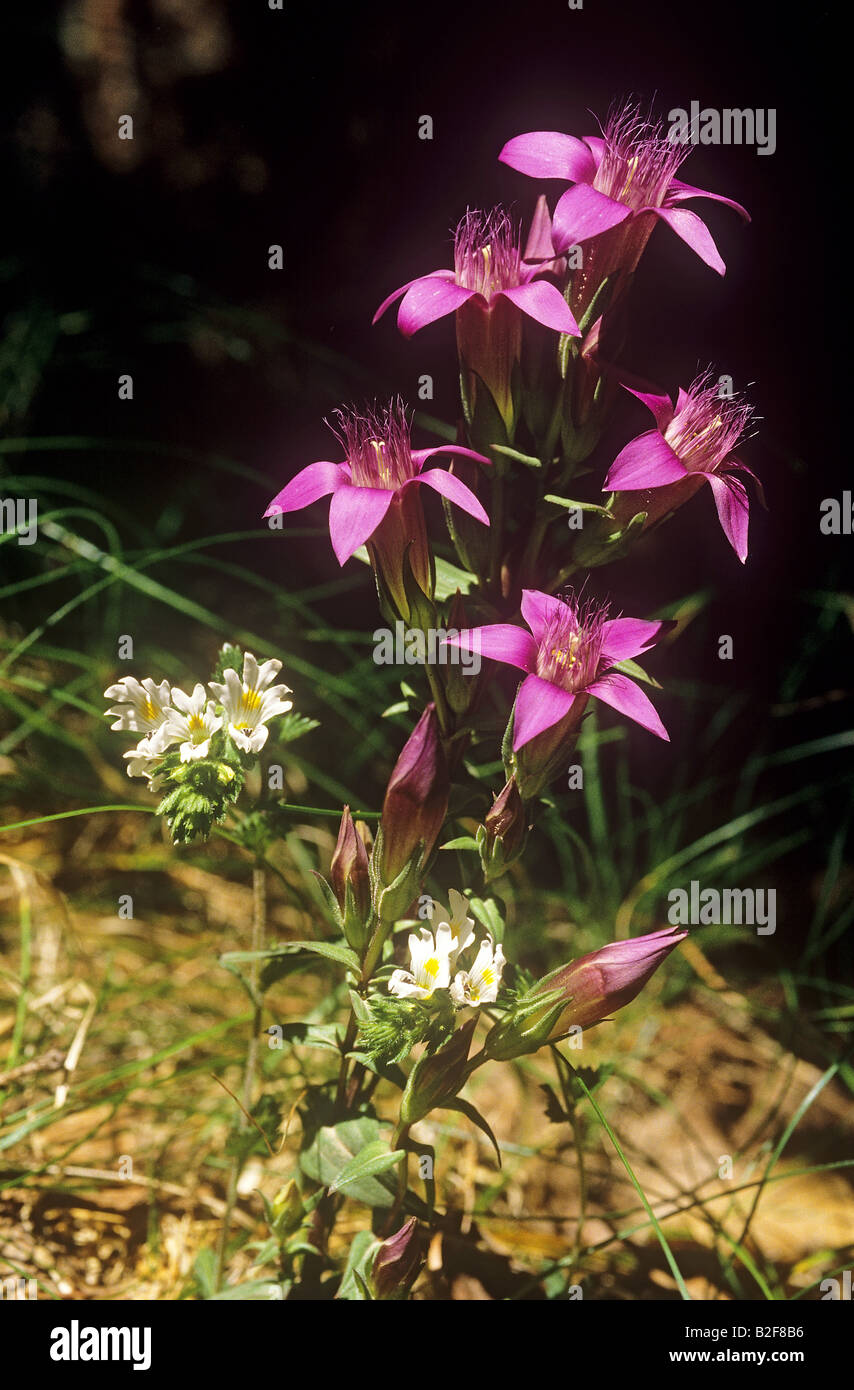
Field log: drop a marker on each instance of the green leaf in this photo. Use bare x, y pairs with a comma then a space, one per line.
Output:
449, 578
335, 1146
204, 1272
363, 1247
488, 913
256, 1291
466, 1108
528, 459
578, 506
631, 668
328, 1036
290, 727
342, 955
461, 842
374, 1158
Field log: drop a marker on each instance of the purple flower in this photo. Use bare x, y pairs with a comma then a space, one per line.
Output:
489, 290
626, 175
373, 494
567, 657
488, 266
692, 443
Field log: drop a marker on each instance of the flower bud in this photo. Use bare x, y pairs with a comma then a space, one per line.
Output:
350, 866
603, 981
416, 798
436, 1079
397, 1262
581, 994
287, 1210
502, 835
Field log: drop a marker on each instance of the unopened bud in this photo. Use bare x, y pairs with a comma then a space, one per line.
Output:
416, 799
397, 1262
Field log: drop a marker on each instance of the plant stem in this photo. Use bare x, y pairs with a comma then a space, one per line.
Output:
259, 923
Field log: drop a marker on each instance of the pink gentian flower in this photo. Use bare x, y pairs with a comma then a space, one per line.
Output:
566, 658
626, 175
489, 290
488, 267
373, 494
692, 443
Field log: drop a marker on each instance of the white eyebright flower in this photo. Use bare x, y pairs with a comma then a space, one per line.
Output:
430, 965
248, 704
455, 917
143, 705
192, 722
477, 986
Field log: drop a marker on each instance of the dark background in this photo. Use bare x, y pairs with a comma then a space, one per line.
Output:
300, 127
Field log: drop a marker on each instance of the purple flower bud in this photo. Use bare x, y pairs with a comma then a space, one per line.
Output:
502, 834
397, 1262
581, 994
350, 865
416, 799
603, 981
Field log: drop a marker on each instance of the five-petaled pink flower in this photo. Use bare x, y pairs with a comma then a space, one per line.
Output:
567, 656
488, 267
626, 175
373, 492
692, 443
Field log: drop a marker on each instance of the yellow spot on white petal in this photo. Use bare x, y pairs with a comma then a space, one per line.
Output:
431, 967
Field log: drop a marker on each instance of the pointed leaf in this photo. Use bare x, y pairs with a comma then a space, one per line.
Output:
466, 1108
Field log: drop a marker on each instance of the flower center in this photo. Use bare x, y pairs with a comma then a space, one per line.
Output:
638, 162
571, 647
486, 252
707, 427
377, 445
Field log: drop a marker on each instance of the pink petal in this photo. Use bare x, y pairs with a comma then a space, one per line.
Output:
733, 510
317, 480
538, 610
694, 232
679, 191
623, 638
420, 456
736, 464
661, 406
546, 154
354, 515
584, 212
429, 299
545, 303
434, 275
623, 695
596, 145
501, 642
450, 486
647, 461
539, 705
539, 245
